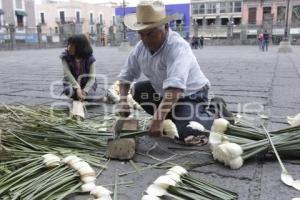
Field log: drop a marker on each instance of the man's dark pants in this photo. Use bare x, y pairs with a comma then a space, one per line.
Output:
187, 109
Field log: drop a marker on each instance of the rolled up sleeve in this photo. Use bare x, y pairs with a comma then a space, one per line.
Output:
131, 69
178, 67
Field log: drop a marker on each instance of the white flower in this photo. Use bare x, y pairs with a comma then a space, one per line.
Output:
100, 191
86, 171
73, 161
68, 158
88, 178
220, 155
232, 150
170, 129
79, 165
294, 121
165, 181
51, 160
132, 103
49, 155
112, 96
196, 126
104, 198
220, 125
87, 187
178, 170
173, 176
214, 140
156, 190
236, 163
113, 93
150, 197
229, 154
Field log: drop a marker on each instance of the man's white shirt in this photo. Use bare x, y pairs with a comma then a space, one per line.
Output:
173, 65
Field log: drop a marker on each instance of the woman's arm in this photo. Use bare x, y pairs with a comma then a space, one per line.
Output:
92, 78
68, 75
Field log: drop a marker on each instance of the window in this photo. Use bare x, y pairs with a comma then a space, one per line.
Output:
238, 7
202, 9
252, 16
211, 8
77, 16
195, 8
211, 21
100, 19
42, 18
237, 21
199, 22
198, 8
224, 21
229, 7
62, 17
91, 18
20, 21
223, 7
56, 30
281, 14
19, 4
296, 15
267, 13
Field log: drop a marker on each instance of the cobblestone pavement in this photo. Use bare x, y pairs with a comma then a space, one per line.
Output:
250, 81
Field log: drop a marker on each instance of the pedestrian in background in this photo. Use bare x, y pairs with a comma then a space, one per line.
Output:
260, 40
195, 42
265, 41
201, 42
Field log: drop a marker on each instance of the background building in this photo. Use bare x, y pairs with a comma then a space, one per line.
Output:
216, 18
270, 15
17, 20
180, 25
60, 19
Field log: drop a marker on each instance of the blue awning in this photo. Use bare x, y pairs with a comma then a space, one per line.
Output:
1, 11
20, 13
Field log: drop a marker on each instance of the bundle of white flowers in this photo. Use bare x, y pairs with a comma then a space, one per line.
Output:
42, 177
113, 96
177, 183
229, 146
88, 177
170, 129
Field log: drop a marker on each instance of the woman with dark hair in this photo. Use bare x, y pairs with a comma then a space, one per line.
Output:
79, 69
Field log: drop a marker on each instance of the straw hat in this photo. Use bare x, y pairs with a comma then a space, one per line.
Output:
149, 14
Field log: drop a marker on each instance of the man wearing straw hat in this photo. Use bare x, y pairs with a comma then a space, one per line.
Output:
177, 89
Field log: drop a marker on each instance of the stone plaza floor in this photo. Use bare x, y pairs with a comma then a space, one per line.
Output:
251, 82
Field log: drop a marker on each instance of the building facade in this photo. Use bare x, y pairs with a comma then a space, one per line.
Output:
216, 18
270, 15
60, 19
181, 24
17, 20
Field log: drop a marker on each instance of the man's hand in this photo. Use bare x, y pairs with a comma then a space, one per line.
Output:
171, 96
156, 128
81, 94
